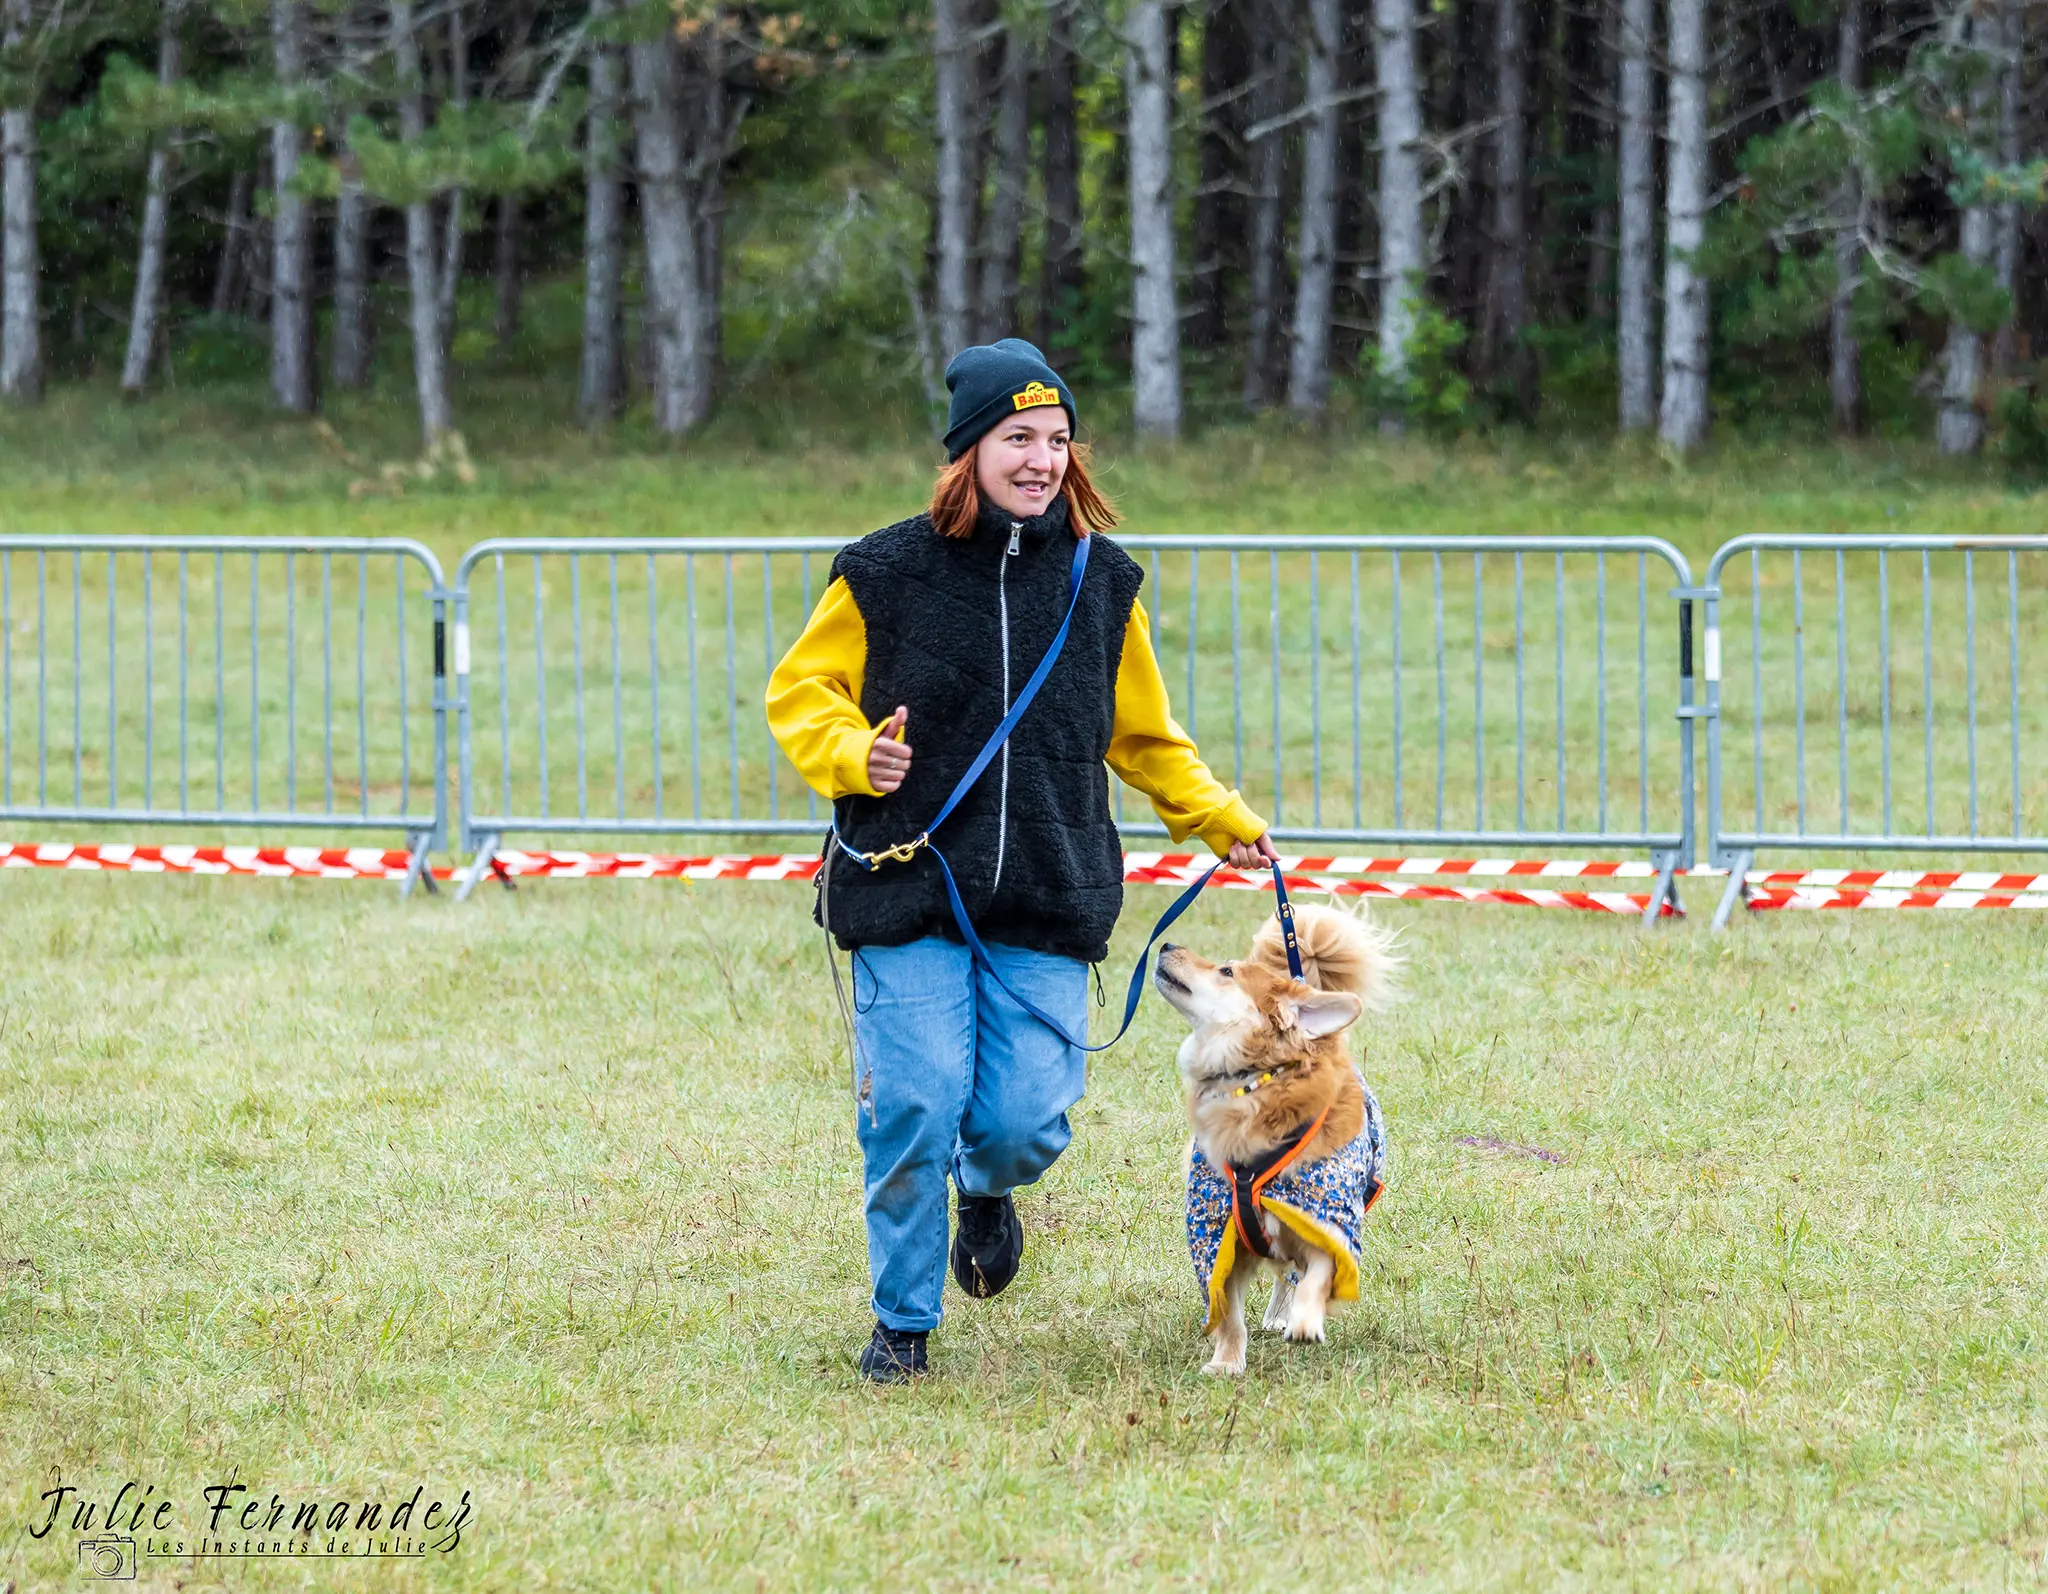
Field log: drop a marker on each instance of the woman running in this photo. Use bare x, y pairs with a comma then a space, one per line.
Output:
925, 635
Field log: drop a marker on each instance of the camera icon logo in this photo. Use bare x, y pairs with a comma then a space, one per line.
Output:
107, 1558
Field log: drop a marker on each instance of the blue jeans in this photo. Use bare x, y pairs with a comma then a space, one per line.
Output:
954, 1079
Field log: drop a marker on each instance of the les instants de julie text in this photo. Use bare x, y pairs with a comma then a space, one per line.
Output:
271, 1526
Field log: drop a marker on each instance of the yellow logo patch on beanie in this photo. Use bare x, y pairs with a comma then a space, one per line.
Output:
1035, 394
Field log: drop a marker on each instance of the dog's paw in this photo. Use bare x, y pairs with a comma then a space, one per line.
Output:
1218, 1367
1304, 1332
1280, 1308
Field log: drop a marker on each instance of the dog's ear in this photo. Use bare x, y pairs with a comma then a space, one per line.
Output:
1325, 1012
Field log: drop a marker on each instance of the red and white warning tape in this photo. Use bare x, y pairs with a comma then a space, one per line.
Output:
1772, 898
1140, 868
1152, 868
1773, 890
1770, 890
1182, 869
341, 863
652, 866
1553, 869
1899, 880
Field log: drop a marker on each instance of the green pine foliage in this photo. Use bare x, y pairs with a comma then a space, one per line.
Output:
827, 280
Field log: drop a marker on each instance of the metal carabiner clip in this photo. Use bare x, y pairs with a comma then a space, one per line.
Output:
902, 852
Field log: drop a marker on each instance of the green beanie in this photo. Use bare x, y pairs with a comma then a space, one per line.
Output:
992, 380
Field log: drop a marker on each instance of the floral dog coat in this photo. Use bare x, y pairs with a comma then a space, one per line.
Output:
1324, 1202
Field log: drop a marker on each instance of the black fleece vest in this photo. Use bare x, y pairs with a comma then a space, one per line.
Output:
933, 611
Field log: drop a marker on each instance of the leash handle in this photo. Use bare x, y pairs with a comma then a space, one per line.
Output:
1283, 910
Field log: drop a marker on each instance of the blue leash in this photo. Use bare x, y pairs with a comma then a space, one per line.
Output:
903, 852
1182, 903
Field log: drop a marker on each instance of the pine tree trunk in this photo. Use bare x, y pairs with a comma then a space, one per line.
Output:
449, 258
1600, 267
255, 299
506, 274
1155, 321
673, 290
349, 354
1845, 354
714, 124
1547, 98
602, 376
954, 66
1308, 367
451, 245
711, 281
429, 351
1960, 427
21, 338
1634, 311
1682, 422
2005, 262
1268, 161
1060, 280
1507, 350
145, 318
1226, 58
1467, 90
348, 348
1357, 222
21, 345
227, 281
1600, 250
1400, 191
1003, 232
291, 231
1590, 57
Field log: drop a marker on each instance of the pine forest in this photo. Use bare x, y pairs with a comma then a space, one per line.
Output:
1596, 216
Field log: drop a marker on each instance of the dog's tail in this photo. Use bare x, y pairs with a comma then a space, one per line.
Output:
1339, 952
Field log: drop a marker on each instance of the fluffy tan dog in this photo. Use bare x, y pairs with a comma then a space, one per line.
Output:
1289, 1148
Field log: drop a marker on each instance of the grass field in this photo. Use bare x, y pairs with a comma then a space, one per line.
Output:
552, 1198
218, 461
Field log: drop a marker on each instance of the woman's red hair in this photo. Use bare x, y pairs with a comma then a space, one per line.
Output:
956, 497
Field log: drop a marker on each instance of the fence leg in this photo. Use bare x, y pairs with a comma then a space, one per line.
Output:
416, 869
486, 852
1666, 890
1737, 889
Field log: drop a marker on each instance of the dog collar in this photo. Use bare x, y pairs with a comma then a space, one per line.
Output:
1252, 1082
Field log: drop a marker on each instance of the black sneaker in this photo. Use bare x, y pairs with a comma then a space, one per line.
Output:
988, 1245
893, 1356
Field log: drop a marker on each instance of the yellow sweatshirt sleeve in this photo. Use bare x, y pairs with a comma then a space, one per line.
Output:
1149, 750
814, 699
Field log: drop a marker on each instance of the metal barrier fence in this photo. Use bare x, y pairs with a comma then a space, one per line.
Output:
1502, 692
156, 680
1469, 692
1883, 675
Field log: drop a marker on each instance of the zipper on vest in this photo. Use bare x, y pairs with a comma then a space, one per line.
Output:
1003, 611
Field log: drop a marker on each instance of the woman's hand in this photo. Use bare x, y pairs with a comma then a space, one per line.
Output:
889, 755
1253, 854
